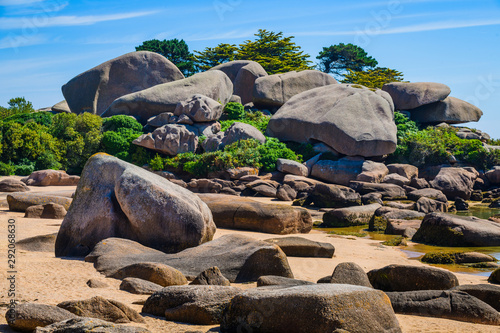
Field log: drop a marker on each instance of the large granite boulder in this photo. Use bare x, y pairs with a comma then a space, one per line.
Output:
388, 191
94, 90
170, 140
408, 95
406, 170
26, 317
60, 107
333, 196
302, 247
160, 274
200, 109
271, 280
51, 178
493, 175
455, 182
452, 111
139, 286
350, 273
353, 121
243, 213
407, 278
275, 90
46, 211
462, 231
83, 324
429, 193
292, 167
202, 305
340, 172
239, 258
19, 202
243, 74
310, 308
118, 199
164, 97
241, 131
102, 308
349, 216
487, 293
449, 304
13, 185
372, 172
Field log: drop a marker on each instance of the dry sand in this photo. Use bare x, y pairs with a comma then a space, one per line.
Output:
42, 278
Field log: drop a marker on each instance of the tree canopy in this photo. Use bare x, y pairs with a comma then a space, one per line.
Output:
177, 51
373, 78
17, 105
339, 59
277, 54
213, 56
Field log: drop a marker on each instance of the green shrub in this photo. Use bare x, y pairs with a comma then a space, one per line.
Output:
7, 169
114, 143
257, 119
25, 169
156, 163
242, 153
42, 118
440, 257
121, 121
234, 111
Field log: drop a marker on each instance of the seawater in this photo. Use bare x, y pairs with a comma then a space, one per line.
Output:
417, 251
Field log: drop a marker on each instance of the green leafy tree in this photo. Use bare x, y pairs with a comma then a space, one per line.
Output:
213, 56
373, 78
17, 105
177, 51
338, 59
277, 54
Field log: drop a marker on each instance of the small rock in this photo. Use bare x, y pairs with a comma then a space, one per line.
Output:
139, 286
161, 274
96, 283
211, 276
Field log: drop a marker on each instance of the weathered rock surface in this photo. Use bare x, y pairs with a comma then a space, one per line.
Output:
463, 231
243, 74
51, 178
94, 90
19, 202
302, 247
350, 216
47, 211
388, 191
241, 131
13, 185
372, 172
485, 292
161, 274
350, 120
493, 175
454, 182
426, 205
427, 193
340, 172
203, 305
286, 193
211, 276
89, 325
396, 179
170, 139
104, 309
350, 273
310, 308
495, 276
139, 286
408, 278
271, 280
199, 108
239, 258
29, 316
334, 196
451, 111
118, 199
384, 215
247, 214
164, 97
406, 170
408, 95
455, 305
293, 167
275, 90
97, 283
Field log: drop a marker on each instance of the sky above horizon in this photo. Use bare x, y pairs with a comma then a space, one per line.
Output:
45, 43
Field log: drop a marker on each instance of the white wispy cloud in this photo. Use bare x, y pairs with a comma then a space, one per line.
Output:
42, 8
8, 23
14, 41
430, 26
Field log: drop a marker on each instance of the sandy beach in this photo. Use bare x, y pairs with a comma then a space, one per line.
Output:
43, 278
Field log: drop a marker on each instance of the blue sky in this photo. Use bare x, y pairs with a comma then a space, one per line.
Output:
44, 43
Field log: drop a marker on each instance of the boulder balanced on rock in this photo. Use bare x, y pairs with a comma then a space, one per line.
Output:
351, 120
94, 90
117, 199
